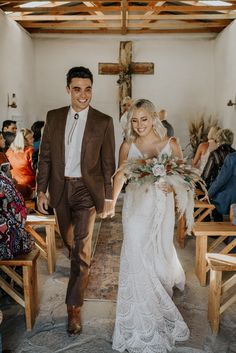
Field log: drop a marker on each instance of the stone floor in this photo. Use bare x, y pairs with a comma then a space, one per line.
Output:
49, 333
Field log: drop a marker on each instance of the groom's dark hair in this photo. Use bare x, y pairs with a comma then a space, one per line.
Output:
80, 72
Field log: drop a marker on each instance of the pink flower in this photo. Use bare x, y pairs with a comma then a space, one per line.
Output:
159, 170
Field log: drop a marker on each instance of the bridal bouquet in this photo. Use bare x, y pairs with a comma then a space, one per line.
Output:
180, 176
144, 170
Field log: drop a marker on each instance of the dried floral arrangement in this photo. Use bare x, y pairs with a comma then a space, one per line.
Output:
199, 128
179, 175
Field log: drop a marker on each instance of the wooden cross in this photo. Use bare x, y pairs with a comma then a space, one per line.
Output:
125, 68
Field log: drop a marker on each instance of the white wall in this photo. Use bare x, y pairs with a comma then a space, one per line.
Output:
225, 76
16, 72
183, 81
193, 74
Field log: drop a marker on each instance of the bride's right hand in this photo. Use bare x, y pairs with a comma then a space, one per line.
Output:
164, 186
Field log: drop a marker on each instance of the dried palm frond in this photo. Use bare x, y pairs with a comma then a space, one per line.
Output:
199, 128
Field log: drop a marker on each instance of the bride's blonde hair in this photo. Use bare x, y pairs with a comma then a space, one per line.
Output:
158, 128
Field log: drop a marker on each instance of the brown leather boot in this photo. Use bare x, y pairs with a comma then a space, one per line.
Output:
74, 321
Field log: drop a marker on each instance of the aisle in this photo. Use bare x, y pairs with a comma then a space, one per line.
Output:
103, 281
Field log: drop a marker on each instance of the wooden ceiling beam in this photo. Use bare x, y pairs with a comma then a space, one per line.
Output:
155, 9
57, 10
125, 17
70, 25
91, 5
139, 31
63, 9
124, 7
192, 8
118, 17
156, 25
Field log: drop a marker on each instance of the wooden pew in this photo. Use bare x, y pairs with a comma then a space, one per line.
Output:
181, 231
204, 230
220, 298
46, 246
202, 210
28, 282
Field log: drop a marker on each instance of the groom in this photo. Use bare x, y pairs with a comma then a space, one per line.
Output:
76, 163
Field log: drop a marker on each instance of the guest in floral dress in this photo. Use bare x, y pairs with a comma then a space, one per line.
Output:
14, 240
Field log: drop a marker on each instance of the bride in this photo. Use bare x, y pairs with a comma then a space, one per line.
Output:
147, 320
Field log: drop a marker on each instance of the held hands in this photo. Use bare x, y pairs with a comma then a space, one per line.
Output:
42, 202
108, 209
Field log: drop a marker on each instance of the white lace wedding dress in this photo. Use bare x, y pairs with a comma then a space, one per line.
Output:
147, 320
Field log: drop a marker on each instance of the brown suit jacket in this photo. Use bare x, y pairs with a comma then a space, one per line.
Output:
97, 156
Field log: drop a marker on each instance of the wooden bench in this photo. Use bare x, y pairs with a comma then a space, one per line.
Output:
28, 282
204, 230
46, 246
220, 297
181, 231
201, 210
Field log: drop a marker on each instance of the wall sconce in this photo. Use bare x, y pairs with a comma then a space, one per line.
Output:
12, 102
230, 103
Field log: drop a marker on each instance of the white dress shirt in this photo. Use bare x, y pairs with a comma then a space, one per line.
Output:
73, 142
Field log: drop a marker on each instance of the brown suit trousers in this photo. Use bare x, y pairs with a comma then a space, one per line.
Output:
76, 215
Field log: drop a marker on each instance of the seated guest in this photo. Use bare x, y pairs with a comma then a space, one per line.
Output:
20, 157
224, 139
3, 157
9, 138
26, 191
36, 128
14, 240
169, 128
222, 192
9, 126
2, 142
205, 148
